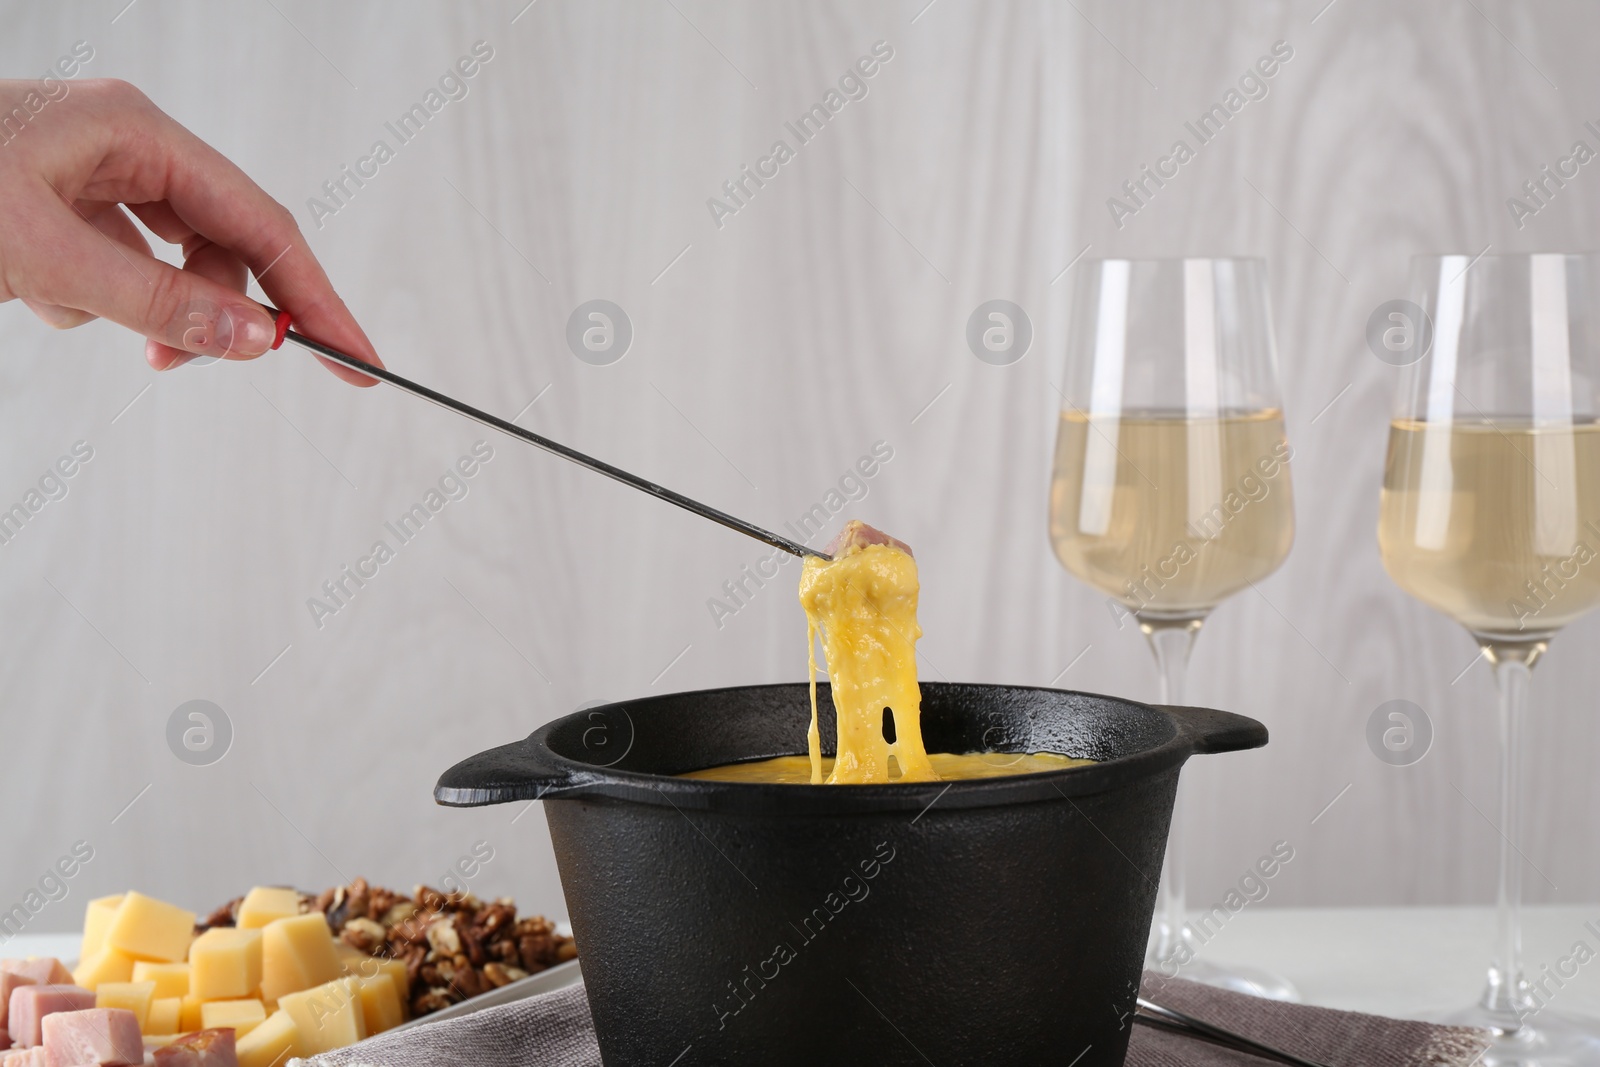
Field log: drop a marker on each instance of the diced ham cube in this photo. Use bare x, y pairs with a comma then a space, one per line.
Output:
26, 1057
31, 1004
94, 1036
857, 535
40, 970
8, 982
208, 1048
13, 973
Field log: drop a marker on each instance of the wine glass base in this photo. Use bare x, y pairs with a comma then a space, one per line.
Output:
1547, 1039
1240, 979
1167, 948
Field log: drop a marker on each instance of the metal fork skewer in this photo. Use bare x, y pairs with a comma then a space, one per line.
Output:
511, 429
1154, 1015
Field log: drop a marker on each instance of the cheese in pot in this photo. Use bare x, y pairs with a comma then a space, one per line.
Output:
796, 770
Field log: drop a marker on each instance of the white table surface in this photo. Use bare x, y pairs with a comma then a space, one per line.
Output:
1409, 962
1388, 961
61, 946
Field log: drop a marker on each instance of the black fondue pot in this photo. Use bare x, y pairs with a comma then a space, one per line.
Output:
981, 922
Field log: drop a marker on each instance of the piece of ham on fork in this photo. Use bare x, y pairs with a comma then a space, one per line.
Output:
857, 535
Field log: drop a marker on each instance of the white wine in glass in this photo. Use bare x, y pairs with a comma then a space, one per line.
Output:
1183, 513
1171, 489
1477, 531
1490, 513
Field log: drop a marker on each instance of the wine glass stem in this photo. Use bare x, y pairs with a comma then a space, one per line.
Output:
1172, 645
1506, 994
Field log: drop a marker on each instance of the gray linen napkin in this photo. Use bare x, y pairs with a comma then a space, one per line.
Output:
1338, 1038
554, 1030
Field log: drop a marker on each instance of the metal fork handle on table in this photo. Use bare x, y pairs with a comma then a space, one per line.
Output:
381, 374
1177, 1022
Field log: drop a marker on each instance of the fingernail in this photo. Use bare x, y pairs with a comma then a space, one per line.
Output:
245, 331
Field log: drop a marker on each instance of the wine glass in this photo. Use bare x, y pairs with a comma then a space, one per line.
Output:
1490, 513
1171, 485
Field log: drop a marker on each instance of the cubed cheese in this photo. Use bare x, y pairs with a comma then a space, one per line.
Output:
107, 965
240, 1015
129, 996
392, 969
95, 1036
297, 954
328, 1016
380, 1005
272, 1043
148, 929
396, 970
96, 921
32, 1004
265, 904
225, 964
189, 1014
350, 956
166, 1016
171, 979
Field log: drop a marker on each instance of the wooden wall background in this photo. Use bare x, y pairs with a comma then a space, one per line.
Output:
825, 316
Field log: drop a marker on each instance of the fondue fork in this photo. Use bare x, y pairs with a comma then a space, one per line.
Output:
705, 511
1177, 1022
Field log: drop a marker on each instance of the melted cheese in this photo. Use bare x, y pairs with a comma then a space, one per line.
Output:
796, 770
863, 605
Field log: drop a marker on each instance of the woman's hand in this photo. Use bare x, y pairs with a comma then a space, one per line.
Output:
69, 252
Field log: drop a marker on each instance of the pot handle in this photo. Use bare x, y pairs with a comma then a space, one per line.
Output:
522, 770
1209, 730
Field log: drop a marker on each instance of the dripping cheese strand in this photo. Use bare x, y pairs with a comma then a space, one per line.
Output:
813, 735
863, 604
